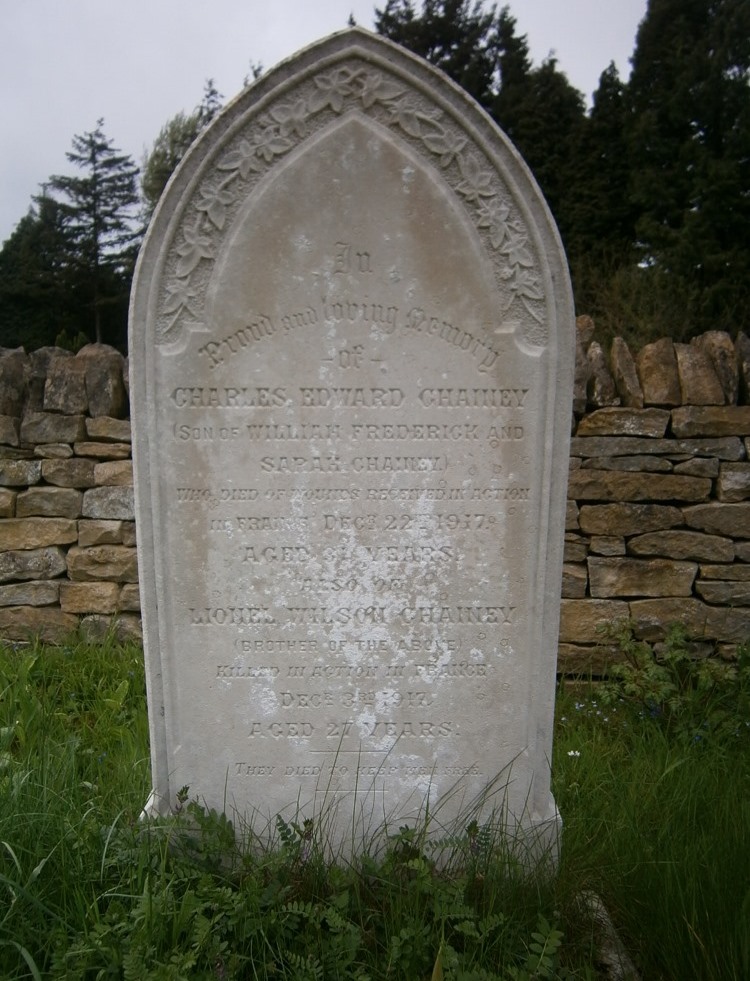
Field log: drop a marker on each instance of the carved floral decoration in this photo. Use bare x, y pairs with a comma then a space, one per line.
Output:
283, 127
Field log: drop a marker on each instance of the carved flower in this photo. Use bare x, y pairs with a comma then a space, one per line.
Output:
214, 201
292, 118
244, 159
332, 90
476, 182
196, 246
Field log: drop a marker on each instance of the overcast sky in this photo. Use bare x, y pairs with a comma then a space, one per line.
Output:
67, 63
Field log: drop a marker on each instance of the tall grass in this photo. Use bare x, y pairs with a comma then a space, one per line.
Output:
655, 823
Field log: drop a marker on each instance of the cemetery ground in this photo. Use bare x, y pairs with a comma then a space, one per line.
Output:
651, 774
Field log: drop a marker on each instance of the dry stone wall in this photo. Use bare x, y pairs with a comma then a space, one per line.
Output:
658, 525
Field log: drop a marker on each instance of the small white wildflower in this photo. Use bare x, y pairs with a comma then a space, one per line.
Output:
573, 752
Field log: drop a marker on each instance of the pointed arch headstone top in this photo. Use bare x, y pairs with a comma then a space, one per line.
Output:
351, 359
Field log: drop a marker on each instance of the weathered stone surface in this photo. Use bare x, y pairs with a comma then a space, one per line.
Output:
571, 516
89, 597
49, 502
601, 389
588, 660
105, 388
653, 618
19, 533
742, 350
38, 563
104, 451
109, 503
580, 380
717, 344
699, 467
114, 473
7, 503
735, 571
54, 451
44, 593
586, 621
742, 551
734, 482
605, 485
130, 598
14, 372
728, 624
625, 422
105, 429
20, 473
576, 548
38, 366
732, 520
699, 420
574, 580
657, 372
607, 545
699, 384
620, 577
628, 519
732, 593
128, 533
65, 388
625, 374
728, 448
126, 628
49, 427
634, 464
26, 622
114, 562
9, 430
69, 473
585, 329
95, 532
681, 544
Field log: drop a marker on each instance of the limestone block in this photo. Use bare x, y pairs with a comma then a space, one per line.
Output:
31, 533
640, 577
601, 389
14, 372
39, 593
571, 516
698, 467
736, 571
54, 451
38, 563
9, 430
725, 593
130, 598
95, 532
69, 473
7, 503
681, 544
114, 562
126, 627
114, 473
625, 422
574, 580
65, 388
734, 482
110, 503
50, 427
604, 485
696, 420
717, 344
584, 621
607, 545
742, 350
588, 659
576, 548
728, 448
635, 464
89, 597
628, 519
105, 429
656, 365
104, 451
625, 374
699, 384
49, 502
26, 622
653, 618
732, 520
20, 473
128, 533
105, 388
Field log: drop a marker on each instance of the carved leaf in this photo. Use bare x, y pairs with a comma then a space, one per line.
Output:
525, 284
408, 119
242, 159
374, 89
214, 202
292, 118
516, 251
476, 183
195, 247
179, 296
271, 144
442, 143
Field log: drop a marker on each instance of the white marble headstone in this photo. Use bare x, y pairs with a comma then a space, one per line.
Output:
351, 359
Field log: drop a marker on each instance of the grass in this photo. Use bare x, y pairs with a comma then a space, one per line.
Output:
653, 786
